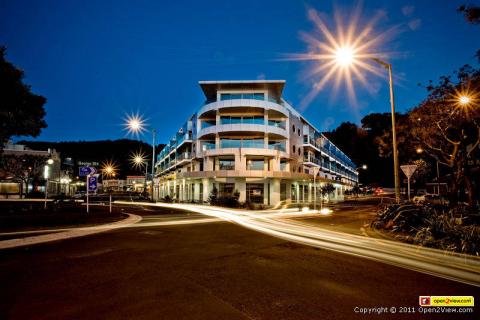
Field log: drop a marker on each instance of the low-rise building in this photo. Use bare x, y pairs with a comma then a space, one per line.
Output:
116, 184
25, 170
135, 183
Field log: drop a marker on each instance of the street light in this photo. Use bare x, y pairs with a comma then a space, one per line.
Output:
135, 124
357, 170
347, 54
464, 100
344, 56
109, 169
396, 172
46, 176
139, 160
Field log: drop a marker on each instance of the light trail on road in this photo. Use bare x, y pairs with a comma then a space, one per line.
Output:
453, 266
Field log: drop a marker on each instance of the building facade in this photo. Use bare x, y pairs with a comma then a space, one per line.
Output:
28, 171
247, 139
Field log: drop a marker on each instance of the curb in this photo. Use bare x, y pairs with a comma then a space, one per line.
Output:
79, 232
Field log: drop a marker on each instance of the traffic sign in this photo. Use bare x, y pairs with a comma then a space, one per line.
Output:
408, 169
86, 171
92, 183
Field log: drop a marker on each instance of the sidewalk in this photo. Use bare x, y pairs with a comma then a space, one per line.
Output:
73, 233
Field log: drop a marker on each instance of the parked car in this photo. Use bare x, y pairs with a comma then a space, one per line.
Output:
79, 195
419, 198
378, 191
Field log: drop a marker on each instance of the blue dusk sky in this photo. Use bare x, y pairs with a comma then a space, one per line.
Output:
96, 61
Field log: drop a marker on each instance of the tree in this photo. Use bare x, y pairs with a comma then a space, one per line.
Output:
22, 169
472, 15
369, 144
21, 111
326, 189
448, 130
213, 197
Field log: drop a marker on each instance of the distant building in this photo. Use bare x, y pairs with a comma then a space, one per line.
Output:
116, 184
247, 138
135, 183
43, 174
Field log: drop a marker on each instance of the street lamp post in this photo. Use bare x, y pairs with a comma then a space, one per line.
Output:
346, 57
135, 124
138, 161
154, 132
363, 167
396, 172
315, 172
46, 175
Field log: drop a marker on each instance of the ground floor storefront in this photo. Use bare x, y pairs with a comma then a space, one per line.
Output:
266, 191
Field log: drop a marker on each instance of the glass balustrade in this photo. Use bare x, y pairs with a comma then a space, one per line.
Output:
208, 145
253, 143
277, 123
232, 96
277, 145
230, 143
242, 143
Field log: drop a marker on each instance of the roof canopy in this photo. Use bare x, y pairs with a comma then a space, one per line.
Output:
210, 87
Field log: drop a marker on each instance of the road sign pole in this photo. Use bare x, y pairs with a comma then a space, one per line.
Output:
408, 170
408, 181
46, 194
87, 184
110, 203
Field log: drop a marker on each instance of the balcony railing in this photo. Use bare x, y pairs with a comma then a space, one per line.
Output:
207, 145
277, 123
312, 159
280, 146
184, 156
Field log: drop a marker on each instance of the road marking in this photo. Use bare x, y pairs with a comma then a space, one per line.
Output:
73, 233
452, 266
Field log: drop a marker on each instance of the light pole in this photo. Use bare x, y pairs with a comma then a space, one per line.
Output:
315, 172
136, 125
396, 172
138, 160
109, 170
346, 57
363, 167
154, 132
46, 175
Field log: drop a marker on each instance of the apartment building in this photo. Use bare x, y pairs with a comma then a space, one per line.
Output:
246, 138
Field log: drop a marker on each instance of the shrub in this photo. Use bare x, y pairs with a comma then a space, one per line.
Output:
454, 229
167, 199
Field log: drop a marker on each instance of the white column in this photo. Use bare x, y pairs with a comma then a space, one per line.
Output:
274, 191
265, 192
241, 187
206, 189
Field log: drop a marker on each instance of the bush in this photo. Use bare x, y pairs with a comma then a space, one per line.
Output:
230, 201
167, 199
454, 229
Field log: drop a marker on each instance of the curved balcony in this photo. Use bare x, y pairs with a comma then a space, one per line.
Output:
246, 151
245, 174
242, 127
248, 103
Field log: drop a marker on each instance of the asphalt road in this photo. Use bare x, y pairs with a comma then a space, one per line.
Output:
351, 217
205, 270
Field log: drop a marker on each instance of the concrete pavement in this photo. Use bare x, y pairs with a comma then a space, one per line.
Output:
62, 234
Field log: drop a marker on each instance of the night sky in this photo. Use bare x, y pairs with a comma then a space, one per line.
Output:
95, 61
